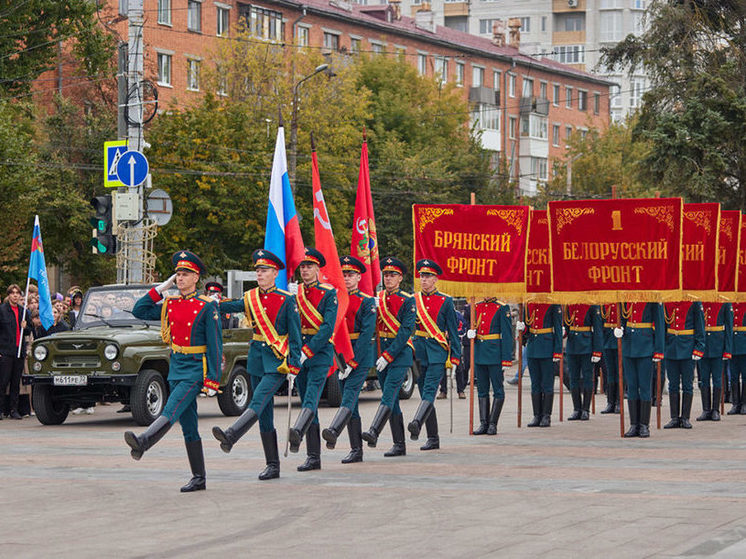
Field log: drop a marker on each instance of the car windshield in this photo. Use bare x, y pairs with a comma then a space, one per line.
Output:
110, 305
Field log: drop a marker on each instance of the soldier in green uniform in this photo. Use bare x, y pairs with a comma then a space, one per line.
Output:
361, 324
437, 348
685, 344
610, 314
317, 305
738, 361
493, 350
718, 348
583, 351
273, 354
190, 324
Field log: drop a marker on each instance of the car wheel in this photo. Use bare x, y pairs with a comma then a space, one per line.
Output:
407, 387
333, 391
236, 393
48, 410
148, 396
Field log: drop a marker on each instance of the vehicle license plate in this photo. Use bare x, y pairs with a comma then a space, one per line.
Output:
70, 380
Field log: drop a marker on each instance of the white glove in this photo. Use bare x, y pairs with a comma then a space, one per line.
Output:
520, 326
471, 334
303, 358
381, 364
211, 392
346, 373
696, 357
595, 359
656, 360
166, 285
618, 332
555, 359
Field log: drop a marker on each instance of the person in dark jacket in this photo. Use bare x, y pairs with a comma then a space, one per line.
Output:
15, 323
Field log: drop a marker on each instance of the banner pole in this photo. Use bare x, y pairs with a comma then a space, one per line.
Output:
722, 392
519, 339
472, 320
658, 393
620, 380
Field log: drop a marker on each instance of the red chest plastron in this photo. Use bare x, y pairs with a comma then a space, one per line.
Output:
354, 305
485, 314
676, 314
739, 312
537, 313
314, 296
712, 310
181, 317
394, 302
576, 314
432, 304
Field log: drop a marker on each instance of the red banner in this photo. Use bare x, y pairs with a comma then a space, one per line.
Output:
728, 247
538, 263
364, 244
699, 251
741, 269
482, 249
607, 251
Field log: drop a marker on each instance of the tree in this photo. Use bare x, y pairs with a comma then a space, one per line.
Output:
694, 115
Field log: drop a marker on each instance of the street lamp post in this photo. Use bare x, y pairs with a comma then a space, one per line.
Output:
569, 170
294, 125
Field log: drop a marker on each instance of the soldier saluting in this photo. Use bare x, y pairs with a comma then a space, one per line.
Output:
273, 354
436, 345
317, 305
395, 326
190, 325
361, 323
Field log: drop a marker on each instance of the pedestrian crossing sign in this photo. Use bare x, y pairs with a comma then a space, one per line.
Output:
112, 152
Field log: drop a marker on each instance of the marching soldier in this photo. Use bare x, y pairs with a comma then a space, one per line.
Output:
718, 348
190, 325
273, 354
610, 314
317, 305
437, 347
583, 351
685, 344
642, 332
394, 327
543, 348
361, 323
215, 290
493, 350
738, 361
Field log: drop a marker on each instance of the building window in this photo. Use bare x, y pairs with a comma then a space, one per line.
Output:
528, 87
556, 94
164, 12
543, 23
582, 100
596, 103
570, 22
511, 127
222, 81
539, 168
635, 91
497, 77
422, 64
555, 134
401, 52
525, 25
570, 54
441, 69
568, 97
302, 37
485, 117
511, 85
534, 126
611, 4
459, 74
615, 98
639, 4
377, 48
194, 16
477, 76
331, 41
568, 133
164, 69
192, 74
224, 21
543, 90
610, 24
485, 26
354, 45
260, 22
638, 23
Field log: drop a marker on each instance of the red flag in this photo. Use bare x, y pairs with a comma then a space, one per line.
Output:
364, 236
332, 272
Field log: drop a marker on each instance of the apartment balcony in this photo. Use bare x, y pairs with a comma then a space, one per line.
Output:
533, 147
451, 9
562, 6
537, 105
568, 38
486, 95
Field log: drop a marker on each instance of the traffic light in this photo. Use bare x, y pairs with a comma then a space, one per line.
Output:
103, 239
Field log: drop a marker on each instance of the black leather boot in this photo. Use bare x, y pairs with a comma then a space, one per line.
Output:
420, 416
197, 465
298, 431
380, 419
431, 426
271, 456
706, 404
644, 429
634, 418
585, 414
313, 449
354, 431
397, 434
484, 410
735, 396
547, 402
536, 401
335, 429
715, 413
675, 423
497, 407
743, 398
154, 433
610, 399
577, 405
230, 436
686, 410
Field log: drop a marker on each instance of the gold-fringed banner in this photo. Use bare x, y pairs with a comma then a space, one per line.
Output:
538, 259
481, 249
607, 251
729, 236
699, 251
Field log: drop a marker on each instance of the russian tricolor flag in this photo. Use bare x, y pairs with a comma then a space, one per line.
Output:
282, 235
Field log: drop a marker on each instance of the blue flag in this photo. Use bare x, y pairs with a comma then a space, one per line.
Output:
37, 270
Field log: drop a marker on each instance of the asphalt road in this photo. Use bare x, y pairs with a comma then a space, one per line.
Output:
574, 490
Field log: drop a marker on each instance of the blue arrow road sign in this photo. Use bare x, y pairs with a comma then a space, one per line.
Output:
132, 168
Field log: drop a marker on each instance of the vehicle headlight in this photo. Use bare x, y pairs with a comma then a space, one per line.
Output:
40, 352
37, 367
111, 351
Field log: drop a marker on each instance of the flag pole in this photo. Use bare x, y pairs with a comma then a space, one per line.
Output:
472, 319
22, 316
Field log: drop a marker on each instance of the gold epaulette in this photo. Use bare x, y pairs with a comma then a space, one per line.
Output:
326, 285
405, 294
205, 298
286, 293
365, 295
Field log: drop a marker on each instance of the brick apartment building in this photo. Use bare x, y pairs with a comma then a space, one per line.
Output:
525, 107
